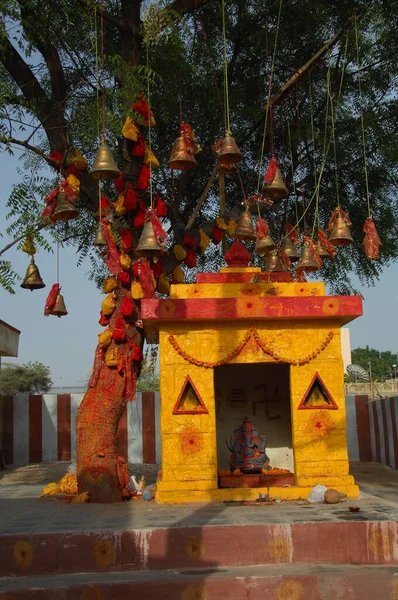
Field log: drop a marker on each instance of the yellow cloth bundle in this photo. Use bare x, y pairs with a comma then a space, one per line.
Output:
204, 240
112, 357
119, 206
137, 293
130, 130
109, 304
163, 285
79, 161
105, 338
178, 275
109, 285
73, 182
179, 252
125, 262
150, 159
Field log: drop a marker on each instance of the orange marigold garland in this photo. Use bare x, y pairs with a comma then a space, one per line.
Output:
251, 333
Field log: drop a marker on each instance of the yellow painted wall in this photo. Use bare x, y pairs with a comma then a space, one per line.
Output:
189, 454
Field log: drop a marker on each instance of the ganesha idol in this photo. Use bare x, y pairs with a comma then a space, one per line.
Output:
248, 449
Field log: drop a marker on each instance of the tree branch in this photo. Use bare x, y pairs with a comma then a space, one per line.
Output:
183, 7
39, 227
25, 144
106, 15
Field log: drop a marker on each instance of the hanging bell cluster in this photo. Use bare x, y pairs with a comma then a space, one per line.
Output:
290, 249
229, 153
264, 245
104, 166
321, 251
340, 234
276, 190
307, 262
64, 210
181, 158
244, 230
99, 237
148, 244
273, 262
32, 280
59, 309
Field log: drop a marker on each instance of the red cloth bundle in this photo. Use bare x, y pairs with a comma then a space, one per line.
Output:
72, 170
262, 227
160, 206
119, 331
190, 241
216, 236
141, 107
190, 259
51, 299
130, 198
127, 240
143, 178
325, 243
139, 147
142, 270
371, 243
119, 184
271, 171
124, 277
104, 320
157, 268
161, 235
136, 352
112, 262
127, 307
139, 217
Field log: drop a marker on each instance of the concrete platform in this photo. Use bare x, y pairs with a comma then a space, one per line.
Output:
279, 551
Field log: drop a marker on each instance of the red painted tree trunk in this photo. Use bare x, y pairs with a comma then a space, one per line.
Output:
96, 428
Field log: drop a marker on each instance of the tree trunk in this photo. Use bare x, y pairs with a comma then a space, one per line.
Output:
96, 427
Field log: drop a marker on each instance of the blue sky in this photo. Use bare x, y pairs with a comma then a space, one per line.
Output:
67, 344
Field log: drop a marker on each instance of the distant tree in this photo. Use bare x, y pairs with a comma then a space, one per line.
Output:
381, 361
30, 378
148, 380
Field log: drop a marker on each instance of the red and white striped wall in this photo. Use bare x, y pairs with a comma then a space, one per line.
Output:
43, 428
372, 430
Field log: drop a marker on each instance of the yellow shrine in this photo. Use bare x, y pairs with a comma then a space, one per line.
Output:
242, 343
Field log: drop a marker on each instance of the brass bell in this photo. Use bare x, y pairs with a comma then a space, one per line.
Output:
340, 234
273, 262
244, 229
276, 190
32, 280
290, 249
307, 260
64, 209
104, 166
59, 309
229, 153
148, 245
181, 159
99, 237
321, 251
264, 245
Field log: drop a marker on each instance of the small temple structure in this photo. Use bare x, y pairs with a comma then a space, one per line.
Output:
251, 385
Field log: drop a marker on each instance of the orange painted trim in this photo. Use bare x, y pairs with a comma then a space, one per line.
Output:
303, 406
200, 411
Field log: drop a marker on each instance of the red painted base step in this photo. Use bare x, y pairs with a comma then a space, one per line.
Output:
282, 582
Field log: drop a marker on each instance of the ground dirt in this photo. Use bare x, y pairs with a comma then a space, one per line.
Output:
48, 472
